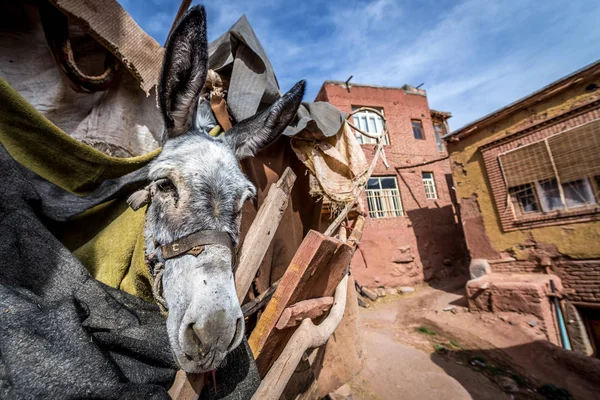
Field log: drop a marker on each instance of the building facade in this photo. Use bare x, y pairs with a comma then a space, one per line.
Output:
412, 233
528, 181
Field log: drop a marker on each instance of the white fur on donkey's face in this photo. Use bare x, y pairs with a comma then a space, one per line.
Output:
200, 186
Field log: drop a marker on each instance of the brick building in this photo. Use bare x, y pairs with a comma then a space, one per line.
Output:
412, 233
528, 180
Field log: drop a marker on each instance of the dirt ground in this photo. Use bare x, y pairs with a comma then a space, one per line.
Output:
426, 345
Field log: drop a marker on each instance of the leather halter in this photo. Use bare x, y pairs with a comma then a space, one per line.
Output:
191, 244
194, 243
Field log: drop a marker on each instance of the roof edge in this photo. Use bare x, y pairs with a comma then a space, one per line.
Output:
550, 89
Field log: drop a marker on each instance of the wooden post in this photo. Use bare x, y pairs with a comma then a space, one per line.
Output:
311, 309
261, 232
186, 386
307, 336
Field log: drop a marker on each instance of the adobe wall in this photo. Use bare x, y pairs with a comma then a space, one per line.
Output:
427, 242
566, 248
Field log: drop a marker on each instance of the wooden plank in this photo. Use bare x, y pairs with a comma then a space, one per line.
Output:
312, 309
306, 336
314, 251
315, 271
261, 232
186, 386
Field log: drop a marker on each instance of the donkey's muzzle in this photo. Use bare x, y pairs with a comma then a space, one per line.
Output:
216, 334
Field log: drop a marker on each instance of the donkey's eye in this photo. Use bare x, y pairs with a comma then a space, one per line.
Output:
165, 185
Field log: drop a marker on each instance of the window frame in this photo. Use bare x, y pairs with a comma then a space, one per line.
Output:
510, 219
431, 182
438, 136
412, 121
379, 212
365, 140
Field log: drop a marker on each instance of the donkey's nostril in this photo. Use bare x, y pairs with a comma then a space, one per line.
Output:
203, 347
237, 336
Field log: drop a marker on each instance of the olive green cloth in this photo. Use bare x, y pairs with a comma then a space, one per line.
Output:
107, 239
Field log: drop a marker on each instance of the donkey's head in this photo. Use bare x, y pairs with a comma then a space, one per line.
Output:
196, 186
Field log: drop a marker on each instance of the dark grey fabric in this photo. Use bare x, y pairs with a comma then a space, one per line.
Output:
253, 86
64, 335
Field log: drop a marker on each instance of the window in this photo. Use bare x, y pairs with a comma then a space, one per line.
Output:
429, 184
525, 198
417, 128
561, 172
546, 196
383, 197
439, 132
369, 122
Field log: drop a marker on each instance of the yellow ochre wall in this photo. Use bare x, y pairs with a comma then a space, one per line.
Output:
577, 240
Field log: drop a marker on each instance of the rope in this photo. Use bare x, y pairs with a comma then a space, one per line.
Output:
157, 287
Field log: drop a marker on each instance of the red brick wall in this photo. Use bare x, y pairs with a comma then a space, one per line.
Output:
583, 277
427, 242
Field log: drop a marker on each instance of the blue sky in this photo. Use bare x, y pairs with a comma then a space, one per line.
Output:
473, 57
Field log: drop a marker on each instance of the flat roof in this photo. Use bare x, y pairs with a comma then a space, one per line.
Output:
553, 88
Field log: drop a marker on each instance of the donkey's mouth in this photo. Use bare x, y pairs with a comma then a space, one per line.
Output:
197, 363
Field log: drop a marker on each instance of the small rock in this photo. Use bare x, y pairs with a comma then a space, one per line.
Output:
533, 323
380, 292
390, 291
459, 310
406, 289
447, 262
362, 303
449, 308
511, 323
501, 318
369, 293
342, 393
376, 279
508, 385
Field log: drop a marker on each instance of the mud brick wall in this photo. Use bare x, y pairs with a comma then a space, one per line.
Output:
427, 242
518, 294
583, 277
523, 267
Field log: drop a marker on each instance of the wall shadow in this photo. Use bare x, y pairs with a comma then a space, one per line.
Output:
536, 370
441, 244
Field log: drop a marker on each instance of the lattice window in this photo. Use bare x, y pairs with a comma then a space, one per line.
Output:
369, 122
560, 172
429, 184
383, 197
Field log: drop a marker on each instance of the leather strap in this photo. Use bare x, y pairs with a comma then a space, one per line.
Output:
193, 242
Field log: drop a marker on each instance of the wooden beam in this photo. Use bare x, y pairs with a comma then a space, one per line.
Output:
261, 232
307, 336
186, 386
311, 309
316, 269
315, 251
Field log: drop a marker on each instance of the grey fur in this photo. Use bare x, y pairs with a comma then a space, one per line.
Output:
197, 184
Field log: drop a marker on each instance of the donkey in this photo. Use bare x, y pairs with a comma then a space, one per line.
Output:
195, 195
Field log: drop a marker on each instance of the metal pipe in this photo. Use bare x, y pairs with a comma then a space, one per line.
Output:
561, 322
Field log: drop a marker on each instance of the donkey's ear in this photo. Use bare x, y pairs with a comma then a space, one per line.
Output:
249, 136
183, 72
